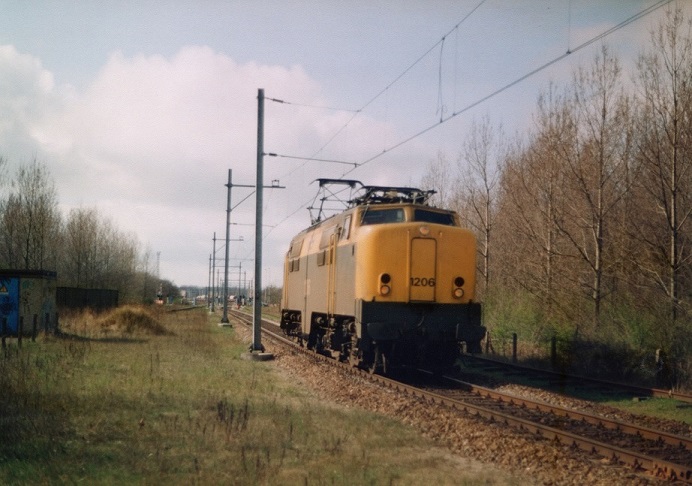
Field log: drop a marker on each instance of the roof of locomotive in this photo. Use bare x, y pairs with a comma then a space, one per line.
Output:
332, 191
367, 197
391, 195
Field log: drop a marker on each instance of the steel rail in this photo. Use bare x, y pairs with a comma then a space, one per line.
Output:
637, 461
607, 423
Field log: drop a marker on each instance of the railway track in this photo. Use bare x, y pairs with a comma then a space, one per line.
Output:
638, 446
657, 453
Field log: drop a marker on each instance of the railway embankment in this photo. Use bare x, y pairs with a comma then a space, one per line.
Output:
114, 400
492, 443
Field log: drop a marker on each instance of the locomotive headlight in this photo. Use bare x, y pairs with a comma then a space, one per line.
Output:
458, 292
424, 230
385, 289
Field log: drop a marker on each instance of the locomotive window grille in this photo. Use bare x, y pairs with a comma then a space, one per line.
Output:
383, 216
423, 215
294, 265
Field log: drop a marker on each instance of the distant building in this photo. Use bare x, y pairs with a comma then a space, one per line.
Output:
27, 301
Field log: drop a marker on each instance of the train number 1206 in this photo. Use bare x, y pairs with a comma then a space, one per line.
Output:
422, 282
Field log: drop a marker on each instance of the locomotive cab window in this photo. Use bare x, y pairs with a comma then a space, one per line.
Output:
425, 216
296, 246
382, 216
346, 230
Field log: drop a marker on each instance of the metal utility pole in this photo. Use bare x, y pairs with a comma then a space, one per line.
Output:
209, 283
256, 348
213, 271
240, 271
257, 297
229, 185
224, 319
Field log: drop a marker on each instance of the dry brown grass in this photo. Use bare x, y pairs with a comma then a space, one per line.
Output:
123, 322
184, 408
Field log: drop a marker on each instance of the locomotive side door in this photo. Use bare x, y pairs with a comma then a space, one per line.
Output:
422, 276
331, 271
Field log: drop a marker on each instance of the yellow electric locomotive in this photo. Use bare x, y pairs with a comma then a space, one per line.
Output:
390, 280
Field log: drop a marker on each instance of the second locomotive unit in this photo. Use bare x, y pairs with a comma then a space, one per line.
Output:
388, 281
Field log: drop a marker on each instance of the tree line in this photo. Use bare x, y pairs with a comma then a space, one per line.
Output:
583, 223
85, 248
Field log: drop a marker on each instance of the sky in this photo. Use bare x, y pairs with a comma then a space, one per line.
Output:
140, 108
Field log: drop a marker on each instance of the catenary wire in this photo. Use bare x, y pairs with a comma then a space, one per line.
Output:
596, 38
380, 93
468, 107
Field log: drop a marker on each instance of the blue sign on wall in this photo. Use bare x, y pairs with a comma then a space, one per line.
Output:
9, 304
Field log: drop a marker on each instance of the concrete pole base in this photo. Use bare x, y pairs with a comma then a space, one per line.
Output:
257, 356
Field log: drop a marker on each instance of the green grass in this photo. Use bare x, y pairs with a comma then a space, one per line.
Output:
125, 405
656, 407
664, 408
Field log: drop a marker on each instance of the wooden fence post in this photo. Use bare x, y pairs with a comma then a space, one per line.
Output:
20, 331
514, 347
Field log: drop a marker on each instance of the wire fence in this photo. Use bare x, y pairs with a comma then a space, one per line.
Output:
648, 367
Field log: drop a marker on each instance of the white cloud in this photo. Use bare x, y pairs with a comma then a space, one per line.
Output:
150, 140
27, 98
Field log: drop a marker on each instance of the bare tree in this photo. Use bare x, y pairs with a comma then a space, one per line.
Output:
3, 203
86, 250
3, 180
80, 248
532, 195
596, 166
148, 283
438, 176
665, 149
479, 168
30, 219
96, 254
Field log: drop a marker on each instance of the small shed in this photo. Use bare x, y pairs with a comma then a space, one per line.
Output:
27, 302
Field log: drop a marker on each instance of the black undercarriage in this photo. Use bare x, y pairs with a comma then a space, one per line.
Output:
392, 335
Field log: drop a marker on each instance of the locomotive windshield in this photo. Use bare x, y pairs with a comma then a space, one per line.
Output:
381, 216
398, 215
426, 216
